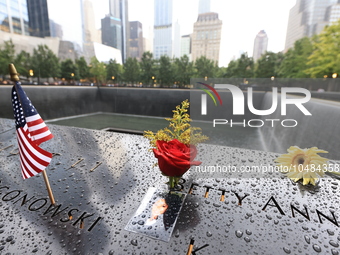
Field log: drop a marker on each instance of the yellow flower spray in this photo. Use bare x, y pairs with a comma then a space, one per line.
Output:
179, 128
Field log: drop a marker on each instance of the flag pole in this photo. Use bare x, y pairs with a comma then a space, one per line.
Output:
48, 187
15, 78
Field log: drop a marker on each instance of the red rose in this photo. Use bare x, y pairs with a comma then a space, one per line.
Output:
174, 157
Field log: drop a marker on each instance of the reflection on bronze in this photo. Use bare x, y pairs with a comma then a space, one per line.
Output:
206, 192
222, 195
98, 164
80, 160
6, 147
81, 224
13, 73
11, 153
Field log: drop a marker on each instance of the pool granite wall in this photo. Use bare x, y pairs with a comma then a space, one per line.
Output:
321, 129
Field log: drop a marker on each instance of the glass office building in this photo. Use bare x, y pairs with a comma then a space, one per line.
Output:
307, 18
38, 18
163, 29
14, 16
115, 27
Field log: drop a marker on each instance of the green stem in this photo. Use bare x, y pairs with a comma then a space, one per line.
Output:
173, 181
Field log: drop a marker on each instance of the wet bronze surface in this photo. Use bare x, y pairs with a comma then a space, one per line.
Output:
99, 179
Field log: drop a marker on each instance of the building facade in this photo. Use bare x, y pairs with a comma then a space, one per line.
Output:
136, 40
260, 45
68, 34
166, 32
112, 32
333, 13
307, 18
115, 27
39, 24
14, 17
206, 37
91, 33
186, 46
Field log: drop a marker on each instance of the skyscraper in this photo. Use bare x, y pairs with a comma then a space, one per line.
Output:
112, 32
39, 24
307, 18
333, 13
136, 40
14, 17
115, 27
206, 37
166, 34
91, 33
260, 45
186, 46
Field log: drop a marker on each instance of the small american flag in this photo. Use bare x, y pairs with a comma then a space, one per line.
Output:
31, 131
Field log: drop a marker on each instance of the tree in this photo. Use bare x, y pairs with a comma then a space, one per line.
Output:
231, 71
245, 66
242, 67
98, 71
131, 70
165, 74
83, 68
205, 67
183, 70
295, 60
222, 72
45, 63
7, 55
114, 71
147, 66
69, 70
325, 58
23, 64
267, 64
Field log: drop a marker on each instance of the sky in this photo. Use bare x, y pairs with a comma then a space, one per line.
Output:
241, 20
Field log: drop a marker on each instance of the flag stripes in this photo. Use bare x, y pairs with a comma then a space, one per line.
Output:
31, 132
33, 159
38, 130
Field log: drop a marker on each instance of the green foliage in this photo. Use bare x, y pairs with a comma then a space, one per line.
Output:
148, 69
295, 60
165, 72
241, 68
205, 67
7, 55
69, 70
231, 70
131, 70
22, 63
314, 58
83, 68
114, 70
183, 70
325, 58
267, 65
98, 71
45, 63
